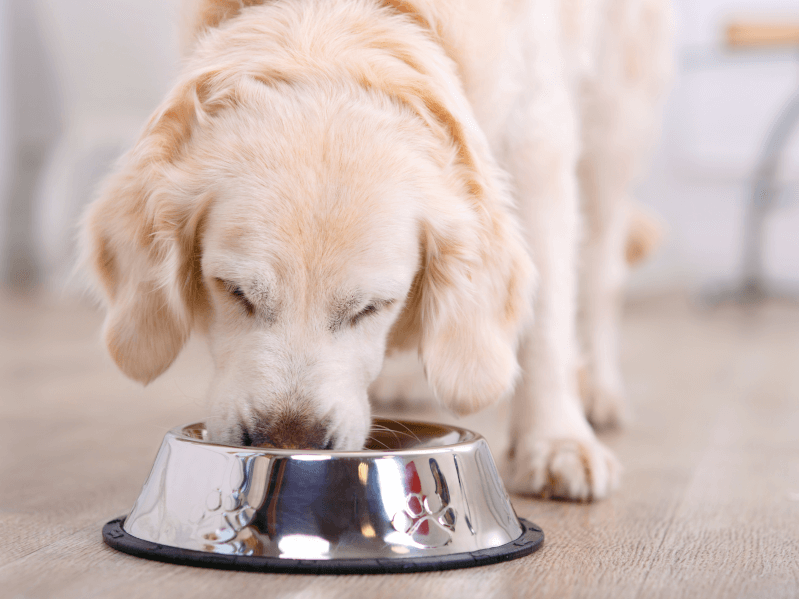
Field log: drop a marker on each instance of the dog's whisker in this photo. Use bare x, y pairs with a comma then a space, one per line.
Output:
385, 429
409, 433
373, 440
400, 433
380, 427
382, 443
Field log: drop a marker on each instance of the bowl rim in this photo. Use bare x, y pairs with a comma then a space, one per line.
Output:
467, 439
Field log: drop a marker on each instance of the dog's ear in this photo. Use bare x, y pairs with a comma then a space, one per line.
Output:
474, 297
473, 294
141, 239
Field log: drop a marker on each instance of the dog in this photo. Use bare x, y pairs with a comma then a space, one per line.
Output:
333, 181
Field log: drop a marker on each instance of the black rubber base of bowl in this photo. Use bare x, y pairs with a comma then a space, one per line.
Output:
115, 536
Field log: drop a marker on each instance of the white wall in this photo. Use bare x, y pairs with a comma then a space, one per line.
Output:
111, 55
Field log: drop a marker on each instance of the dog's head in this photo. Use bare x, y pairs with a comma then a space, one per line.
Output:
306, 229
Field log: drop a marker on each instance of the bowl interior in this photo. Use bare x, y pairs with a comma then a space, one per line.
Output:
386, 435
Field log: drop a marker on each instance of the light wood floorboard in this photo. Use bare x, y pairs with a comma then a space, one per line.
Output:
709, 505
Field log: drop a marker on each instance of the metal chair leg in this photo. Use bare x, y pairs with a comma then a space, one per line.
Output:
753, 286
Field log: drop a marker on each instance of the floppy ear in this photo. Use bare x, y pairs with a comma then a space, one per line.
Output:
476, 298
473, 295
141, 241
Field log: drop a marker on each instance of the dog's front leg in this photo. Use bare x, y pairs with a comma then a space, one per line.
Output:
554, 451
603, 271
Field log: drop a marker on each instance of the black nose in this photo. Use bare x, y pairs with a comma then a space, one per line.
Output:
291, 430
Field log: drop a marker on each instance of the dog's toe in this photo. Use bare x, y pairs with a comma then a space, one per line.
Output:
580, 470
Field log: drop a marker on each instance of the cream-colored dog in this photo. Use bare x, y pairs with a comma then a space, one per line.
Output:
330, 180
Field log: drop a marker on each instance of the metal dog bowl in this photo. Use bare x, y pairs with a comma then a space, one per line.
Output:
422, 497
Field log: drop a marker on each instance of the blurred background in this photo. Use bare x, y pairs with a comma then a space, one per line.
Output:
78, 78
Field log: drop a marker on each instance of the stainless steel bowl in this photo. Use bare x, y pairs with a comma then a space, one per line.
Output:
422, 496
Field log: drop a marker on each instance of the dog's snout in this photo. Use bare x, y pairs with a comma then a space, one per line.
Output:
287, 431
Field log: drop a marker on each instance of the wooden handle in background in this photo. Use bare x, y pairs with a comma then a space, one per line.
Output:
762, 35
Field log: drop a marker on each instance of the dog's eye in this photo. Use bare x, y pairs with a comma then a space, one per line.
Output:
368, 310
236, 292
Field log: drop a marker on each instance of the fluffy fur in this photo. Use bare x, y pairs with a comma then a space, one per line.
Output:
331, 181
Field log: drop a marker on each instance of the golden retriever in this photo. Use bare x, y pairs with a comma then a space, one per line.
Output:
332, 180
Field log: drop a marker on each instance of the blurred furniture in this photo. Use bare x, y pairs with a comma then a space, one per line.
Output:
765, 191
6, 159
29, 122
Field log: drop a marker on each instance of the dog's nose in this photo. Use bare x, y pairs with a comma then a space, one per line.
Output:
287, 431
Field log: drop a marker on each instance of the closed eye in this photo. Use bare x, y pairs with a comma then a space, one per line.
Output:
237, 293
369, 310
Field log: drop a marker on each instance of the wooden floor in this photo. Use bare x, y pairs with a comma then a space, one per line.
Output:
709, 505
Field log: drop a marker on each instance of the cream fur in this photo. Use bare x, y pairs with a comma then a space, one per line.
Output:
329, 181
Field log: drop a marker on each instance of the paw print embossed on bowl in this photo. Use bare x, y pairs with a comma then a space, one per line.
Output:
428, 519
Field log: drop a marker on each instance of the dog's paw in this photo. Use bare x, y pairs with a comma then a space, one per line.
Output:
576, 469
605, 405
